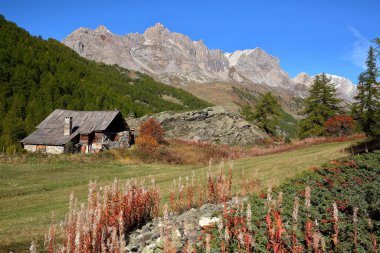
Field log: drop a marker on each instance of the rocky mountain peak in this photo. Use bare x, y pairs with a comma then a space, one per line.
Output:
302, 78
102, 29
257, 66
159, 26
174, 58
302, 74
155, 32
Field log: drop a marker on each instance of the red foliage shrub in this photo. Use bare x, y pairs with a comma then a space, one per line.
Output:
151, 135
147, 142
340, 125
358, 180
342, 204
152, 128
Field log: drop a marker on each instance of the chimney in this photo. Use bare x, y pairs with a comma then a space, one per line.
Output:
68, 126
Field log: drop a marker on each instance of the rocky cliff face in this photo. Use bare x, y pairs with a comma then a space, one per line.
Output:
174, 58
158, 52
257, 66
215, 124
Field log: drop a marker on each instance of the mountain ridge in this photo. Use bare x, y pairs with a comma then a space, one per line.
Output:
175, 59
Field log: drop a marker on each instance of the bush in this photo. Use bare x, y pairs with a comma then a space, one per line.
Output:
339, 125
147, 142
152, 127
151, 135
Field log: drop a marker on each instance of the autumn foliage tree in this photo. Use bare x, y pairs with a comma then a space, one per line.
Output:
151, 134
339, 125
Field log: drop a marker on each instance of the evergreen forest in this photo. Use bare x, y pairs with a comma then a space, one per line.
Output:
38, 76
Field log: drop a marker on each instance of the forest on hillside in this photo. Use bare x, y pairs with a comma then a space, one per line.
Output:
38, 76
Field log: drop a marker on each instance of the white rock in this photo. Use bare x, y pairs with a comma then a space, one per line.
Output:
150, 248
206, 221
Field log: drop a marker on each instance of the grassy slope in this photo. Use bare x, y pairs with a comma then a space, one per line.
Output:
30, 192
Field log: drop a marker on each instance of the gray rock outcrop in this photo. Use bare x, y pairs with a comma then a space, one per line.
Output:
181, 229
214, 124
184, 227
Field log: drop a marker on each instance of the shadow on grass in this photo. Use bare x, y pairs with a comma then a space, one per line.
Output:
20, 247
366, 146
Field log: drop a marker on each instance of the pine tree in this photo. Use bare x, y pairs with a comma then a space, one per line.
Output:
321, 104
267, 114
377, 41
366, 109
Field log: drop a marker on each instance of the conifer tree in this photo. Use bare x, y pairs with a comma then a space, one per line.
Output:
246, 112
267, 113
321, 104
377, 41
366, 109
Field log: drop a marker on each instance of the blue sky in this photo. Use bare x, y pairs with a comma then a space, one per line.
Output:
307, 36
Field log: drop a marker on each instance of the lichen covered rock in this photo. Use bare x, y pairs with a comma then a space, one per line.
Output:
214, 124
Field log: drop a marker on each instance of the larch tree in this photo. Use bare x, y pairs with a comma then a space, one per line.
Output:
366, 109
267, 113
151, 135
321, 104
246, 112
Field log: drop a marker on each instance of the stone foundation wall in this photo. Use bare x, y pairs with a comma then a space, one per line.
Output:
55, 149
30, 148
49, 149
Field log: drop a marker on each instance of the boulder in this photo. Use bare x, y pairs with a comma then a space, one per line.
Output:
214, 124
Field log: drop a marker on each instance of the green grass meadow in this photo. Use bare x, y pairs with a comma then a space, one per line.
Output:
30, 193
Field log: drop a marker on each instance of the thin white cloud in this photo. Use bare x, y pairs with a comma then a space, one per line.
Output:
359, 48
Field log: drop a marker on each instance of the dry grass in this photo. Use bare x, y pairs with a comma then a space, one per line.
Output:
194, 152
30, 192
175, 151
102, 225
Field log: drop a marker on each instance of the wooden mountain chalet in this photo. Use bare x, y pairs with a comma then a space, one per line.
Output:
65, 131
